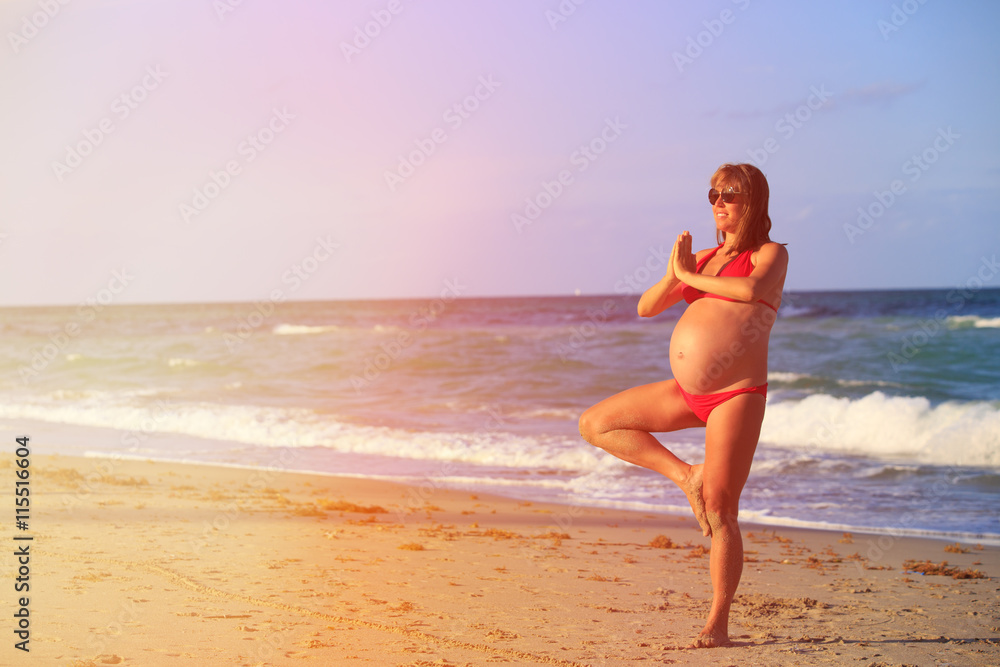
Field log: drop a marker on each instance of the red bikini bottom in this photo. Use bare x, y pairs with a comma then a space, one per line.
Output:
703, 404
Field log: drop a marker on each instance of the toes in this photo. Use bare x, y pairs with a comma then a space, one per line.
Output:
693, 492
709, 641
706, 528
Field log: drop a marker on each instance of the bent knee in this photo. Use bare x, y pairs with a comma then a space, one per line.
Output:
589, 425
721, 504
721, 522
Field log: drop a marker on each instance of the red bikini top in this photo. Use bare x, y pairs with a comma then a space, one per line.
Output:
738, 267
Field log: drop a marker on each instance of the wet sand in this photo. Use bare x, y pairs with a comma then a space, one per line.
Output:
145, 563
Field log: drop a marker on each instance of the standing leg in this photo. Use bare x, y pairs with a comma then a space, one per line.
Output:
622, 425
730, 441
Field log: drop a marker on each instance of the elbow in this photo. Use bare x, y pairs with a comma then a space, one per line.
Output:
645, 308
750, 293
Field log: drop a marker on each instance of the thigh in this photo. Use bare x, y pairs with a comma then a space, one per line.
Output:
654, 408
730, 442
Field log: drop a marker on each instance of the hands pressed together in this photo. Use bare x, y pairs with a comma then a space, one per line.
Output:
682, 259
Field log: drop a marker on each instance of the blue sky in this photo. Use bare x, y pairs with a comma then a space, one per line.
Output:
235, 148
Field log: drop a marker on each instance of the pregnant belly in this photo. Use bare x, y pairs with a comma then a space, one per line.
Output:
720, 344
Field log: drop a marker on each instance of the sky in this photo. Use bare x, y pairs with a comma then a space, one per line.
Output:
173, 151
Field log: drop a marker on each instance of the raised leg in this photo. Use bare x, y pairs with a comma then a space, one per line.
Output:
622, 426
730, 441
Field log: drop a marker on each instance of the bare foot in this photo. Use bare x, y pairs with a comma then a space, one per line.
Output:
709, 639
692, 489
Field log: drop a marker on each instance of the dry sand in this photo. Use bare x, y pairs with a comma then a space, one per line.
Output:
142, 563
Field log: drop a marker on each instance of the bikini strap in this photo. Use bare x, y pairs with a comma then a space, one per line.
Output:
704, 260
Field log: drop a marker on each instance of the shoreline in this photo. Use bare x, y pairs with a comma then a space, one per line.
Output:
169, 563
752, 521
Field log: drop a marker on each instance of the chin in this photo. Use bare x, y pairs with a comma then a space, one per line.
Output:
725, 226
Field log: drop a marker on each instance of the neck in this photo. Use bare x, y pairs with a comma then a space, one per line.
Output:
729, 243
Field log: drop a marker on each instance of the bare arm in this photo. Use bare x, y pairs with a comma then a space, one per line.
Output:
660, 296
766, 278
663, 294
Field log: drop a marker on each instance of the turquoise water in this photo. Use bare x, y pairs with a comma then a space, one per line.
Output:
883, 407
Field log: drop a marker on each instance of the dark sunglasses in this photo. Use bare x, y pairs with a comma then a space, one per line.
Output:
727, 197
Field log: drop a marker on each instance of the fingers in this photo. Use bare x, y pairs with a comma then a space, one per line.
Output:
681, 257
684, 244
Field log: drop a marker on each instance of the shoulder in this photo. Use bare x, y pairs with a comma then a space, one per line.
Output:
707, 251
772, 250
770, 253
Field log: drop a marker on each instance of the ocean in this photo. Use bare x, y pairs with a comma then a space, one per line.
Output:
883, 411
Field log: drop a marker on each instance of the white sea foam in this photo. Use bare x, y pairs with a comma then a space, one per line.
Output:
781, 376
766, 518
287, 427
788, 310
300, 329
548, 413
905, 428
973, 321
867, 383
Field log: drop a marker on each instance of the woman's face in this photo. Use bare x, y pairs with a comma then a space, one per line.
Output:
727, 215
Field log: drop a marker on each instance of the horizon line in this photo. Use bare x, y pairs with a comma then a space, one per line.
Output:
454, 298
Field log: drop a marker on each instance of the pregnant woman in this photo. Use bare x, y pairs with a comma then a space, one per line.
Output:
718, 355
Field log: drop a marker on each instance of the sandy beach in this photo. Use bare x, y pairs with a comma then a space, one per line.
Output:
152, 563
